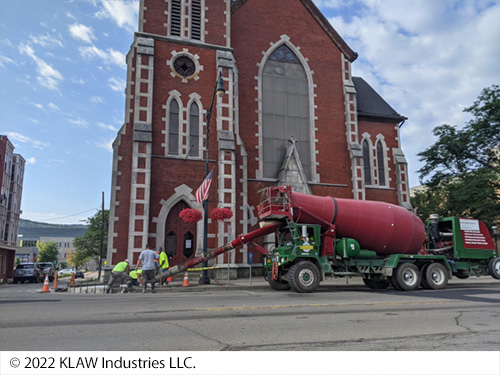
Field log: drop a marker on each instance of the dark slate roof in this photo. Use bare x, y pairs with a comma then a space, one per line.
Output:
371, 105
51, 232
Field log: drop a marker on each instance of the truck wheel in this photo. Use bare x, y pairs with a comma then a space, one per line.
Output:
434, 276
461, 275
279, 284
407, 276
377, 283
304, 277
494, 268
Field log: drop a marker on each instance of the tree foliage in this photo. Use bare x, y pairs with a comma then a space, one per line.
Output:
47, 252
89, 245
461, 173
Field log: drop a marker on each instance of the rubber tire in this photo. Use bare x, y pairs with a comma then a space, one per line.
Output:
279, 284
15, 281
407, 276
304, 277
394, 282
494, 267
434, 276
461, 275
377, 283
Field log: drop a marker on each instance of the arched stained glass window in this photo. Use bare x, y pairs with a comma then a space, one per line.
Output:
380, 164
173, 128
367, 163
285, 111
194, 130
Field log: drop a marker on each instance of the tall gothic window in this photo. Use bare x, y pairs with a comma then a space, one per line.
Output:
380, 164
173, 128
175, 18
194, 130
285, 111
367, 163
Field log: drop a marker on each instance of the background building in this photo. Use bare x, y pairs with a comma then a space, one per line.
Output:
11, 180
292, 115
27, 250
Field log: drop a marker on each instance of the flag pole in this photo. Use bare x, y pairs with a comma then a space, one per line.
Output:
219, 90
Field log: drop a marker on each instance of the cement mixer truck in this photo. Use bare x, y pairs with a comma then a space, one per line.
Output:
318, 237
382, 243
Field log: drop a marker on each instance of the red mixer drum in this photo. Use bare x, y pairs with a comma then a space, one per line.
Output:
382, 227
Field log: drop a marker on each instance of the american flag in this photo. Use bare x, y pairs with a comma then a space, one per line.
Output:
202, 192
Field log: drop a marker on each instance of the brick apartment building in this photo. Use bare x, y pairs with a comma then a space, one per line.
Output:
292, 115
11, 182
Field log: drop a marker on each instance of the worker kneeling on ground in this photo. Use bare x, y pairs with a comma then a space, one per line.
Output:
136, 277
120, 274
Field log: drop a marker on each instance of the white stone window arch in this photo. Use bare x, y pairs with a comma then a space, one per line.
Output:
285, 40
194, 150
382, 161
367, 150
172, 146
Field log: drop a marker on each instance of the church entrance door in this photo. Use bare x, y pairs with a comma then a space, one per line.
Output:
180, 237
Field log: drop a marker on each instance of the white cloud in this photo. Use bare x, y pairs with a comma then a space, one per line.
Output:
23, 139
110, 56
97, 99
5, 60
38, 105
81, 123
48, 76
123, 12
105, 144
46, 40
117, 84
53, 107
428, 59
106, 127
82, 32
30, 161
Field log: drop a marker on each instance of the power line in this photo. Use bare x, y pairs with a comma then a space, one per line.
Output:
64, 217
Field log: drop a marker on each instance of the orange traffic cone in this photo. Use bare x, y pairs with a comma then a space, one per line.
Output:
45, 288
72, 280
169, 279
186, 279
55, 281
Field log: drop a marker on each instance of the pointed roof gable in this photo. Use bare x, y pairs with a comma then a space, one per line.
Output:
322, 21
291, 172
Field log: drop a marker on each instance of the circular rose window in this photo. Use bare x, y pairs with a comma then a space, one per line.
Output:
184, 66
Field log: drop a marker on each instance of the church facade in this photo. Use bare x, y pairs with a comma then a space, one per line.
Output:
292, 114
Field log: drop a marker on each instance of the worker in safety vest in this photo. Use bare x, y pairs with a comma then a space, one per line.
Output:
136, 277
120, 274
164, 265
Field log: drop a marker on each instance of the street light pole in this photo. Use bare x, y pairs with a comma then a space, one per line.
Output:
219, 91
102, 237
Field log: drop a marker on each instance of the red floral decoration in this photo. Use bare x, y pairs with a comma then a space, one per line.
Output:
190, 215
221, 214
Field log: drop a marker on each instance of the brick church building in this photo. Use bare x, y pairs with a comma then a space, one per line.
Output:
292, 114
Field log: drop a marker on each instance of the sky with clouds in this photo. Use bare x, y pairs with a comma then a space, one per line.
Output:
62, 74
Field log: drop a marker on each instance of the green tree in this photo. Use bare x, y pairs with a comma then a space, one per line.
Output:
89, 245
77, 258
47, 252
462, 169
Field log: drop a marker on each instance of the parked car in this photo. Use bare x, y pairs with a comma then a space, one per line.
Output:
47, 268
27, 271
79, 273
65, 271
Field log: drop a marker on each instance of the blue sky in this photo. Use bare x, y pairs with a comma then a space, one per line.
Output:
62, 74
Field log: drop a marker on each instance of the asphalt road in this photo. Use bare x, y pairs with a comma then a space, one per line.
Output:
465, 316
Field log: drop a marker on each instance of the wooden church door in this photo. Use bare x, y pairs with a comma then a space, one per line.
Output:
180, 237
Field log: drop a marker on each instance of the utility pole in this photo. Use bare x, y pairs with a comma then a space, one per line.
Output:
102, 236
